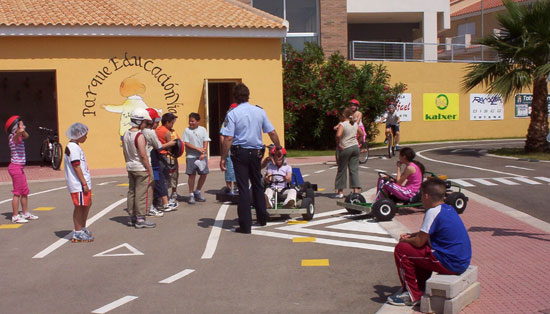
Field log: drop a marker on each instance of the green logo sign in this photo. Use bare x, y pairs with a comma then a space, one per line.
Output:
441, 101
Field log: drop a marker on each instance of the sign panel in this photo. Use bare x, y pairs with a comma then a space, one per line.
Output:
441, 106
404, 107
523, 105
486, 107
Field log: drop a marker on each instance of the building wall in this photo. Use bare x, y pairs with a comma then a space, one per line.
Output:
90, 71
489, 23
334, 26
446, 78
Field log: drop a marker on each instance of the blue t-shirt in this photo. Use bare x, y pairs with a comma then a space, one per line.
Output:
245, 124
449, 239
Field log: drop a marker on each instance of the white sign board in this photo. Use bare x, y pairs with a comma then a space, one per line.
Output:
404, 107
486, 107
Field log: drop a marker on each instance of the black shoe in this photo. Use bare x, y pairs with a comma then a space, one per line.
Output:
261, 224
239, 230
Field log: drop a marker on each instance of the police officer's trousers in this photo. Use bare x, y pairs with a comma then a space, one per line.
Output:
247, 165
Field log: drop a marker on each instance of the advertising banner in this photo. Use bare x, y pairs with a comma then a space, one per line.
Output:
523, 105
404, 107
441, 106
486, 107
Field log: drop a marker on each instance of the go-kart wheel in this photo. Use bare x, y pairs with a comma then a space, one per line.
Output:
225, 190
306, 185
458, 201
384, 209
310, 194
307, 203
354, 198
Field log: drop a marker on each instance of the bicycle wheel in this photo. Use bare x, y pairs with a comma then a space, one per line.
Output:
393, 149
390, 143
44, 152
57, 156
364, 153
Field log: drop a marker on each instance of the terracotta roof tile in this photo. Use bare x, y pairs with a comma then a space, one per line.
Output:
162, 13
476, 7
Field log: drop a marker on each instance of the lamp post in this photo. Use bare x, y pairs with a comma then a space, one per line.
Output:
482, 34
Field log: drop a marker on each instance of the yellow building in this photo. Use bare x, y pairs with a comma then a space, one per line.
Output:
93, 61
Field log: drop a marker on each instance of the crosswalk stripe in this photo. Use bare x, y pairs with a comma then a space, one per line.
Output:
543, 179
462, 182
528, 181
483, 181
505, 181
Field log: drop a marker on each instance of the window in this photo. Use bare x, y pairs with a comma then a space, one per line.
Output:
302, 17
468, 28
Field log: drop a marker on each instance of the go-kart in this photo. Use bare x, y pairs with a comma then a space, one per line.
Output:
305, 196
228, 195
385, 208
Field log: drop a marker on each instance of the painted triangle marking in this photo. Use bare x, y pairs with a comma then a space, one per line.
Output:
130, 248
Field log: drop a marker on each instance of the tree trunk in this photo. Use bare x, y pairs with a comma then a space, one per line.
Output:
538, 127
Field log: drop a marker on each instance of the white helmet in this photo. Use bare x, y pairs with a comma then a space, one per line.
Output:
138, 115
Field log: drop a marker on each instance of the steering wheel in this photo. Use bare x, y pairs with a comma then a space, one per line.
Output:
385, 175
276, 175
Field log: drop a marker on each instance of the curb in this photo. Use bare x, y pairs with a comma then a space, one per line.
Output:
515, 158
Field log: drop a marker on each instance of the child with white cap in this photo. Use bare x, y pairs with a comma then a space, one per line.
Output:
79, 181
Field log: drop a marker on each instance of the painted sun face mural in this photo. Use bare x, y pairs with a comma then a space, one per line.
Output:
132, 89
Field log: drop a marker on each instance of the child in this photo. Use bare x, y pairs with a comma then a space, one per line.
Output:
79, 181
230, 179
166, 133
196, 142
278, 176
16, 130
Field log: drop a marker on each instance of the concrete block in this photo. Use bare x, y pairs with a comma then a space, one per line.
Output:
449, 286
442, 305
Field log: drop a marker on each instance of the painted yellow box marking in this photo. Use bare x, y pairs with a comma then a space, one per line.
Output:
44, 209
295, 222
315, 262
304, 239
123, 184
320, 189
10, 226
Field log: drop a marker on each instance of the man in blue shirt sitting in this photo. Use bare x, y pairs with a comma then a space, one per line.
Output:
442, 245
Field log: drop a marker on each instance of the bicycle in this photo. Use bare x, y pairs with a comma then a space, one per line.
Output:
364, 153
51, 151
391, 142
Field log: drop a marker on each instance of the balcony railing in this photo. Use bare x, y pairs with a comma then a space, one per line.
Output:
422, 52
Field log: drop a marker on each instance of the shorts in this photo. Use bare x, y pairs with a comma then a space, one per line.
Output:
82, 198
229, 170
191, 168
174, 176
19, 179
394, 127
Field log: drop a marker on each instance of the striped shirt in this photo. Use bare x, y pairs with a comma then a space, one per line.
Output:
17, 151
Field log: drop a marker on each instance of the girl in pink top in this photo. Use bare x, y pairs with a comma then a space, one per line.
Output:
408, 180
16, 130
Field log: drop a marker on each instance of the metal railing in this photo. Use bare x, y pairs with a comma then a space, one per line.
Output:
422, 52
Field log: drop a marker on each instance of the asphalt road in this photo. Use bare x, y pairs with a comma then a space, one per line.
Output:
193, 263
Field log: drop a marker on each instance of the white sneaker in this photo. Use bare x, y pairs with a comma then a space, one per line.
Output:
18, 219
153, 212
30, 216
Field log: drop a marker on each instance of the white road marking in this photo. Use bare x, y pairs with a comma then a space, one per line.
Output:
378, 170
336, 167
182, 184
41, 192
177, 276
305, 229
483, 181
305, 175
462, 182
460, 165
57, 244
319, 171
115, 304
543, 179
212, 242
519, 168
364, 167
528, 181
367, 226
133, 251
505, 181
105, 183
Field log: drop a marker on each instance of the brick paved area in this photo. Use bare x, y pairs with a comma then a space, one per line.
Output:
512, 256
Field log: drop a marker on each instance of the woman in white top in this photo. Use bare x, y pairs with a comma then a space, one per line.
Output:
348, 153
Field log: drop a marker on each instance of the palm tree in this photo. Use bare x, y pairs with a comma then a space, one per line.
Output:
523, 48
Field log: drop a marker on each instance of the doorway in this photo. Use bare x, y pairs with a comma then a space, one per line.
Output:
220, 97
33, 97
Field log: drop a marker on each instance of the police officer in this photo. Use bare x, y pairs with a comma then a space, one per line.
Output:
243, 135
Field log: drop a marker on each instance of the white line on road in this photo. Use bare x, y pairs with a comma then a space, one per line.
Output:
462, 182
177, 276
298, 228
41, 192
519, 168
335, 167
105, 183
319, 171
212, 242
460, 165
378, 170
483, 181
543, 179
505, 181
115, 304
305, 175
528, 181
57, 244
364, 167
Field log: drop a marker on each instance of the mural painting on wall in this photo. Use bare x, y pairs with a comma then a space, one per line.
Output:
143, 83
441, 106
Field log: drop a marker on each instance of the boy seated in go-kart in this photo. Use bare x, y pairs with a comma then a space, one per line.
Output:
278, 176
408, 181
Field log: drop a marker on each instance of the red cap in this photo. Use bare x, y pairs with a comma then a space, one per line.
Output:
355, 102
233, 105
11, 123
153, 113
274, 150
